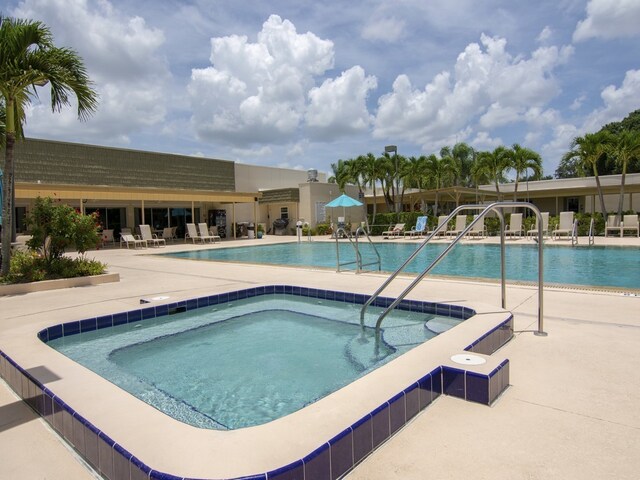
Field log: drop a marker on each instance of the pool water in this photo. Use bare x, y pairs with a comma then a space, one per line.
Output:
249, 361
587, 266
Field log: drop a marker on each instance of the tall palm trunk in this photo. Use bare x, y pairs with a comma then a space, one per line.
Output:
7, 188
599, 188
621, 201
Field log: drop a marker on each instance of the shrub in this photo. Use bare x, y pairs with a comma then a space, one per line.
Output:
30, 267
323, 229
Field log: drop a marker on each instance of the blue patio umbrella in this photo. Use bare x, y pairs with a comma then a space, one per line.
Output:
344, 201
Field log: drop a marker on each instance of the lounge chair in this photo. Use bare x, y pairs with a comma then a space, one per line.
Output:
514, 229
630, 222
565, 227
613, 225
461, 223
192, 234
204, 233
394, 232
169, 233
107, 237
145, 233
478, 230
129, 239
419, 229
441, 223
545, 226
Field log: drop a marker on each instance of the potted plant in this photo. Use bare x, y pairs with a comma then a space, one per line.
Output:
260, 230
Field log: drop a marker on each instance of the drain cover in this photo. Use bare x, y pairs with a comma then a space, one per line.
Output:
468, 359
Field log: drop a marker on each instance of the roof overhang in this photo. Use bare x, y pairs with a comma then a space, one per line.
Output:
83, 192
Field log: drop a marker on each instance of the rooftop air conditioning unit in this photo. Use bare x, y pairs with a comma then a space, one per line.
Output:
312, 175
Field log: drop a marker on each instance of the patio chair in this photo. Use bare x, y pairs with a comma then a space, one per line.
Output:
461, 223
169, 233
613, 225
545, 226
419, 229
192, 234
514, 229
630, 222
204, 233
394, 232
107, 237
145, 233
441, 220
565, 227
129, 239
478, 230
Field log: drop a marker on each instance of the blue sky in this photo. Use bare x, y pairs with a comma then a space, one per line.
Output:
302, 84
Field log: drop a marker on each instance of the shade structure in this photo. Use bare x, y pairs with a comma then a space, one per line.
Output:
344, 201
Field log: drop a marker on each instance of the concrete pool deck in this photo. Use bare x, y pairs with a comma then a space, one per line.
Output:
571, 410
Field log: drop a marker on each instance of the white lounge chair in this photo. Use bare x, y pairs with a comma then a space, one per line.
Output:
461, 223
192, 234
630, 222
129, 239
545, 226
107, 237
613, 225
145, 233
514, 229
169, 233
565, 227
394, 232
204, 233
419, 229
478, 230
442, 219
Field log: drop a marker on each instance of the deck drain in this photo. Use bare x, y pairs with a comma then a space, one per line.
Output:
467, 359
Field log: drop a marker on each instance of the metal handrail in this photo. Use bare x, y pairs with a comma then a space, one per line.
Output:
574, 233
358, 260
359, 230
495, 207
592, 239
308, 231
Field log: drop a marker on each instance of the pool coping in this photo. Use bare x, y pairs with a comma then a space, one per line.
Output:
389, 407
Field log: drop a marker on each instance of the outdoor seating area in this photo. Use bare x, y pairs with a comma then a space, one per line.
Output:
394, 232
565, 227
630, 224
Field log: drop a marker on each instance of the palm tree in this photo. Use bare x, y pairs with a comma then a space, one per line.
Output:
413, 174
492, 165
439, 172
372, 172
462, 155
341, 175
521, 159
588, 151
625, 148
29, 59
355, 168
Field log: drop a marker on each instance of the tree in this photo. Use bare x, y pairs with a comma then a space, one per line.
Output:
624, 149
413, 174
588, 151
522, 159
373, 170
439, 172
29, 59
463, 156
341, 174
492, 165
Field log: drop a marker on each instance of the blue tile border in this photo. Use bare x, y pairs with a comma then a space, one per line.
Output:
374, 428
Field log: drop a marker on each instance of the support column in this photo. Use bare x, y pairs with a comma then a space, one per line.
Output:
233, 219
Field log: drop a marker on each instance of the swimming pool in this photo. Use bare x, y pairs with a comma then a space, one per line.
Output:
247, 362
586, 266
123, 437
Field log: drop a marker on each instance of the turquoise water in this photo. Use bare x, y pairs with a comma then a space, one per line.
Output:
589, 266
249, 361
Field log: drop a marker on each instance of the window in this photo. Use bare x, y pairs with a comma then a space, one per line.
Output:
284, 212
321, 213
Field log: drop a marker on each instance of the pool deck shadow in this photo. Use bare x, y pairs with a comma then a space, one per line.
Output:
570, 411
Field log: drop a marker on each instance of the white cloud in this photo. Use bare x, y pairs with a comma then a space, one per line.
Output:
487, 81
122, 59
388, 29
483, 141
577, 103
256, 92
339, 106
609, 19
545, 35
618, 102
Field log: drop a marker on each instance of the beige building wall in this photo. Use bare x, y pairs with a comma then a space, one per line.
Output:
315, 195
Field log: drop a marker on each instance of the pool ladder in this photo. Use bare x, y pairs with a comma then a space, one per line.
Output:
496, 207
574, 233
341, 232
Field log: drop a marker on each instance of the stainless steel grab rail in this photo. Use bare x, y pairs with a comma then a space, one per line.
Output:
495, 207
361, 230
